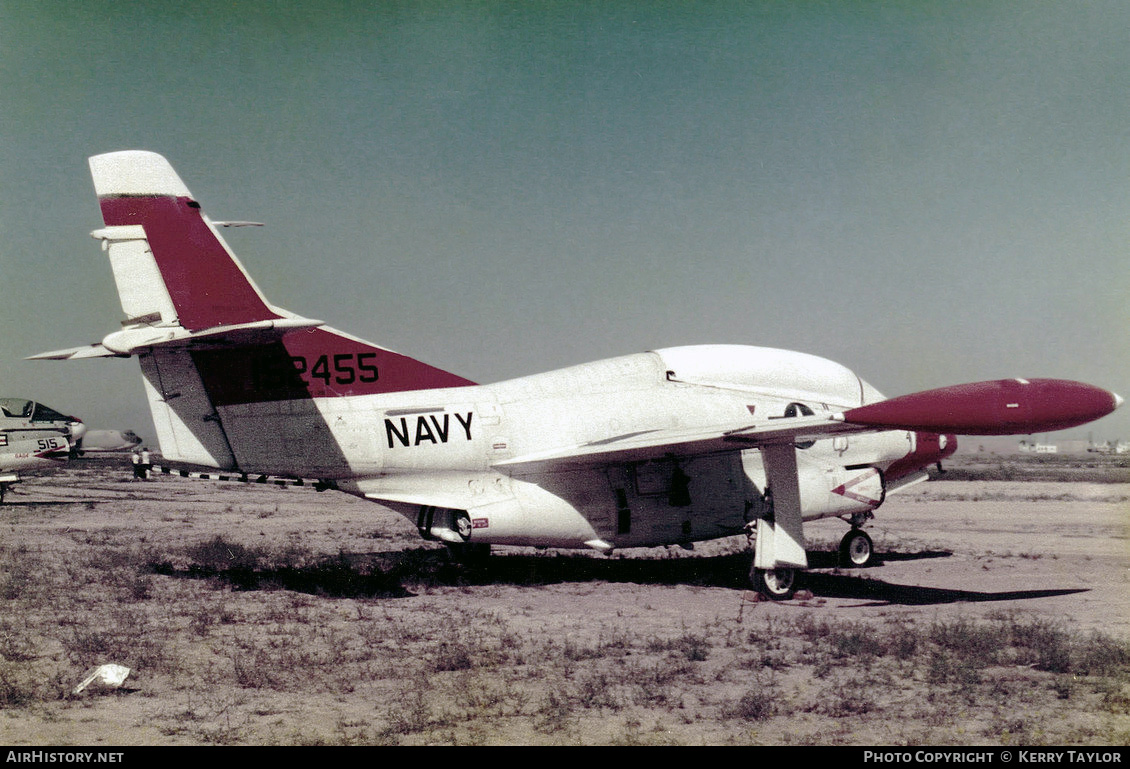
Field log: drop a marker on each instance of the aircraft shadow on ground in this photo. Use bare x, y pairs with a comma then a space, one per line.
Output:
38, 504
393, 575
831, 560
878, 592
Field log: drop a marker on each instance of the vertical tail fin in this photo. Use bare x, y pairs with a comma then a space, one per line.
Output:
200, 280
175, 272
219, 360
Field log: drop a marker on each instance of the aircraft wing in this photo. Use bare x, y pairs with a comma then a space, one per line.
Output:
781, 541
999, 407
656, 444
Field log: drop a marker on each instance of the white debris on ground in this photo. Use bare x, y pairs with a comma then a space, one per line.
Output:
103, 678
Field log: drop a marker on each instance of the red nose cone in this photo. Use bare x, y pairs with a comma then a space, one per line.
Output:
1002, 407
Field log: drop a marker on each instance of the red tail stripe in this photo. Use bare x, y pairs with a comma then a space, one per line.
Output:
207, 287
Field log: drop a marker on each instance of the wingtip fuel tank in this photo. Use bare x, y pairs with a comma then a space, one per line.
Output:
998, 407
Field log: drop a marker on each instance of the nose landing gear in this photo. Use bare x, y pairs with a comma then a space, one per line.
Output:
856, 549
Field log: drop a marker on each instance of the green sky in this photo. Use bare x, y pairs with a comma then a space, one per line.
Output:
927, 192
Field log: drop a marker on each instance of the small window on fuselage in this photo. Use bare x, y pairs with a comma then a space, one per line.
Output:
799, 409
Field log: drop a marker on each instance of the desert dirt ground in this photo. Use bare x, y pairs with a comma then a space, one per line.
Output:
997, 612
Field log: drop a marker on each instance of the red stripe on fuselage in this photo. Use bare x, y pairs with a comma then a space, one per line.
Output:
207, 286
313, 364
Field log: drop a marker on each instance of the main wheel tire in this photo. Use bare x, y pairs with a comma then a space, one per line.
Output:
774, 584
856, 549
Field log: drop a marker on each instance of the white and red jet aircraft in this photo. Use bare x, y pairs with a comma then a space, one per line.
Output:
664, 447
33, 437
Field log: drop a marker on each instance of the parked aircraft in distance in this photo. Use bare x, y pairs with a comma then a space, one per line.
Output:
33, 437
664, 447
108, 441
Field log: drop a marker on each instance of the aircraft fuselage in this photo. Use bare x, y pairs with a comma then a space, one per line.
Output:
410, 449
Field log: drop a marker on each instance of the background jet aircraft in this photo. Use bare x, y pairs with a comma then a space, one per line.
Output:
33, 437
107, 441
664, 447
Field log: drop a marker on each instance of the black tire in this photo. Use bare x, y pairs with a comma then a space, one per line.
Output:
856, 549
774, 584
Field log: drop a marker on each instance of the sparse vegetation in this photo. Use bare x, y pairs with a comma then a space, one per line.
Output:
237, 638
1057, 468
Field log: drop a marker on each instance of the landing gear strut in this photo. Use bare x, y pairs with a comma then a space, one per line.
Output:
856, 549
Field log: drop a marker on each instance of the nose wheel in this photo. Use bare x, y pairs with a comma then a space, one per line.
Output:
856, 549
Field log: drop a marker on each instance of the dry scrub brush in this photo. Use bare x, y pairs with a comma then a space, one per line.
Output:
228, 639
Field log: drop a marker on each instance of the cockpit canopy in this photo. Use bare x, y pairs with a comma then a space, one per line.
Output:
21, 408
784, 373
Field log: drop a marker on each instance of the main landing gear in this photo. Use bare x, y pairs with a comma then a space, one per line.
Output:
856, 551
774, 584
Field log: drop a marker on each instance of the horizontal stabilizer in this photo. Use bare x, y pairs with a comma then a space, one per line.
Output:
132, 341
74, 353
192, 310
1000, 407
